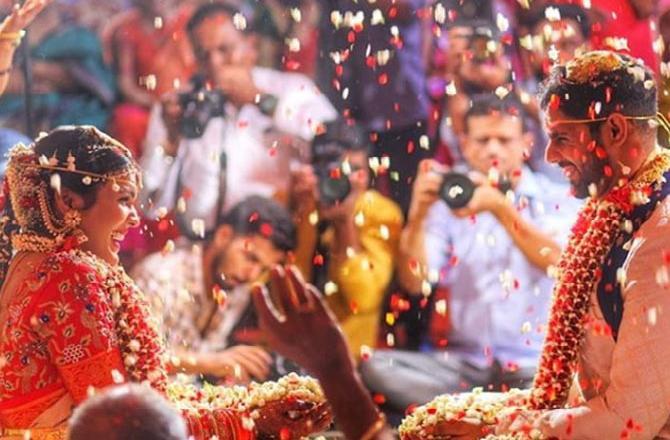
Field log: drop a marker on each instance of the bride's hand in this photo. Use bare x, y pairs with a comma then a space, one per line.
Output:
463, 429
292, 418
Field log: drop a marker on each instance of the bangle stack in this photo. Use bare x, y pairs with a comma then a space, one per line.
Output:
14, 38
375, 428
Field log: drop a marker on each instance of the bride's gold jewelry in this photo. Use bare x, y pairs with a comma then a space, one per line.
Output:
29, 198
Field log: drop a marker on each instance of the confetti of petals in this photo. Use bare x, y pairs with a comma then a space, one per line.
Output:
296, 15
266, 230
552, 14
330, 288
441, 307
383, 57
198, 227
239, 21
220, 296
366, 352
168, 247
293, 45
450, 89
336, 19
502, 22
55, 182
440, 13
618, 44
501, 92
377, 17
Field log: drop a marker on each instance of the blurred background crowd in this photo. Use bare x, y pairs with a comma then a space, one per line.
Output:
343, 137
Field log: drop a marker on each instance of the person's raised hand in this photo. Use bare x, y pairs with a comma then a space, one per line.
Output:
426, 188
304, 191
486, 197
292, 419
463, 429
341, 212
242, 363
22, 15
298, 323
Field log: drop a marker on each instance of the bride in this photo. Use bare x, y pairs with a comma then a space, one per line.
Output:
71, 320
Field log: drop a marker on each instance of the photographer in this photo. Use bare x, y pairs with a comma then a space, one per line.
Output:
490, 253
347, 233
475, 62
234, 133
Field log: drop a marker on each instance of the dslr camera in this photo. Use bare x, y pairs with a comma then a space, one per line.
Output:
334, 185
199, 106
328, 149
457, 189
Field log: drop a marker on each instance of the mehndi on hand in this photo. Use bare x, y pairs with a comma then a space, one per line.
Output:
464, 415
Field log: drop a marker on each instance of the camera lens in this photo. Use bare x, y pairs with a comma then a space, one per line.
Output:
199, 107
456, 190
333, 189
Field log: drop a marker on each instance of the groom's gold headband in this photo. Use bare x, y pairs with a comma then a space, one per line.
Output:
658, 117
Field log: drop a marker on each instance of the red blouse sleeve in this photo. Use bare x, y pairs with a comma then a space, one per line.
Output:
74, 316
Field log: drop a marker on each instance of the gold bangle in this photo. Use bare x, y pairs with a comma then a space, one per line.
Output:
12, 37
375, 428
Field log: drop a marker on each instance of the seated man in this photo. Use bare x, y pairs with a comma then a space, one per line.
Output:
347, 233
234, 133
200, 291
127, 412
491, 254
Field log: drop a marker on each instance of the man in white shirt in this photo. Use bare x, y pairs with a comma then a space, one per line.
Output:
491, 254
266, 122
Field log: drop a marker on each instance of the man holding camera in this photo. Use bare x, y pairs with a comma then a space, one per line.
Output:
234, 133
347, 233
491, 250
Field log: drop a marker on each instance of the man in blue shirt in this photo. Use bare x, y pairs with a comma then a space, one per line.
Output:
493, 255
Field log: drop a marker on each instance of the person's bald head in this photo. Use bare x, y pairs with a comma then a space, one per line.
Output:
127, 412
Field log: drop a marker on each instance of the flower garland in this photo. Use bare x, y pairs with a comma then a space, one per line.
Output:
138, 332
579, 270
245, 398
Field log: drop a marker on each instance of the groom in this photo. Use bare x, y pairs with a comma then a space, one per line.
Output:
604, 369
607, 322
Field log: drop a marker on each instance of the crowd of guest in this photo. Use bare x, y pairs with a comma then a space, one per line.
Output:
322, 134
